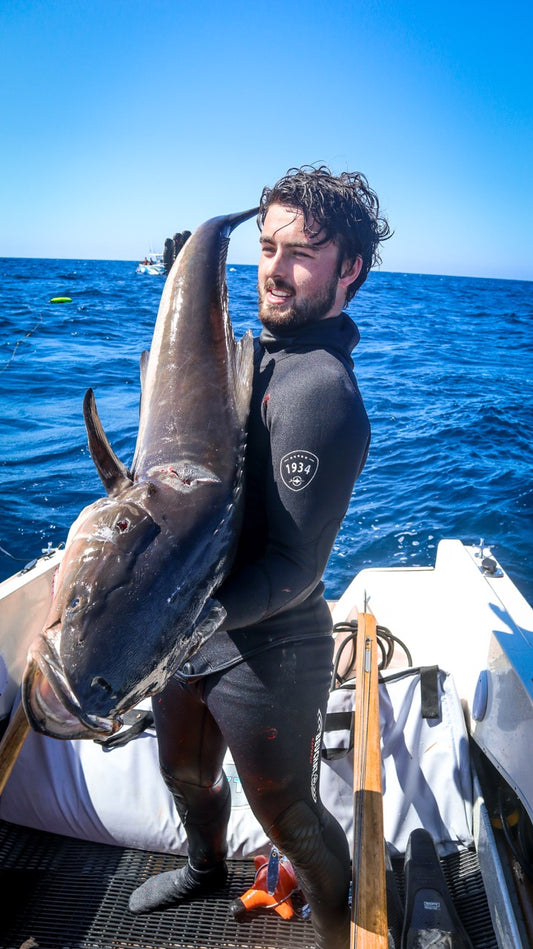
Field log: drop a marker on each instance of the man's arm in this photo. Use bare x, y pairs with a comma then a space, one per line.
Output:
319, 443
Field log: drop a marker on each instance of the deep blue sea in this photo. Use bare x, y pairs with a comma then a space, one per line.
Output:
445, 365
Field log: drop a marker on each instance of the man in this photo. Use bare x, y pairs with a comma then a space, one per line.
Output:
260, 684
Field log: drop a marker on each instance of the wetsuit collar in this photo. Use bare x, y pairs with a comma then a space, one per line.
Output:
339, 332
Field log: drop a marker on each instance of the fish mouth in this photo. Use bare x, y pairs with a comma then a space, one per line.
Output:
52, 707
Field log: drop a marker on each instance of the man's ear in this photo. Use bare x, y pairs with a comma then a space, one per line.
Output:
350, 271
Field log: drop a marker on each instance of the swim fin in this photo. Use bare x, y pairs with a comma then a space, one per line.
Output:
430, 920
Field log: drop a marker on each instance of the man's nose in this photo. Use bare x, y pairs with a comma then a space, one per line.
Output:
275, 265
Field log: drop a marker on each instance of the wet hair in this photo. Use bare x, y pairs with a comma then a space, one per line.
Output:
342, 209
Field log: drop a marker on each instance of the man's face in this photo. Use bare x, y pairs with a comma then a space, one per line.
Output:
299, 280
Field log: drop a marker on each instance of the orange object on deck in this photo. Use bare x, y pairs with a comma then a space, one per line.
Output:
258, 897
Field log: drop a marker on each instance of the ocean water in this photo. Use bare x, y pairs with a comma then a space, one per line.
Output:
445, 365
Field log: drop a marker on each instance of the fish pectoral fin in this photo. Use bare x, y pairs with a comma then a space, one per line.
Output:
114, 475
244, 368
211, 618
243, 350
143, 367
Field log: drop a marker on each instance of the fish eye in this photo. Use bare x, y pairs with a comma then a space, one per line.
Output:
123, 525
74, 603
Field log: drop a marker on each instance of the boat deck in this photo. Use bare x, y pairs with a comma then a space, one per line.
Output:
61, 893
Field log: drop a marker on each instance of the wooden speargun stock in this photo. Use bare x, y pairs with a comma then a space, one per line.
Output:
12, 742
369, 895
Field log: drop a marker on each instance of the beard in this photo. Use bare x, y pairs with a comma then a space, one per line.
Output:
293, 314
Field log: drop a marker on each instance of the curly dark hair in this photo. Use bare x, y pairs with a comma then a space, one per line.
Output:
342, 208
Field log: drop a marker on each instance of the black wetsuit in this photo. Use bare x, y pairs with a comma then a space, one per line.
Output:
260, 684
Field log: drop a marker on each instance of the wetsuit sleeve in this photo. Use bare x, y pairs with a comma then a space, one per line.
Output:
319, 438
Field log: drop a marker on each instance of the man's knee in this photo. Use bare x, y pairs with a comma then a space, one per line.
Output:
187, 776
317, 847
297, 829
199, 802
314, 841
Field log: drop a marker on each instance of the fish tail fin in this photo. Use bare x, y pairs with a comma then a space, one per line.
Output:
234, 220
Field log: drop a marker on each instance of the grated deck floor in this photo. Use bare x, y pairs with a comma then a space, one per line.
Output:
61, 893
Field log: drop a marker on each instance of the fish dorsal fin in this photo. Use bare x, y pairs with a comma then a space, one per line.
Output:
114, 475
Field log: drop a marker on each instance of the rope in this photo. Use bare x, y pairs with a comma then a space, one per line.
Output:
386, 642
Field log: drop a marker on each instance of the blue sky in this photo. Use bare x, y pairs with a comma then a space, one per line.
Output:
124, 121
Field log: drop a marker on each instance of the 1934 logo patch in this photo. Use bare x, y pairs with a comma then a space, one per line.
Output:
298, 469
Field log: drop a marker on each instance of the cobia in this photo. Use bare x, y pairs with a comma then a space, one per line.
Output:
133, 594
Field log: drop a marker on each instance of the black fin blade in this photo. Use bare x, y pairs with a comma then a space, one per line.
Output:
430, 919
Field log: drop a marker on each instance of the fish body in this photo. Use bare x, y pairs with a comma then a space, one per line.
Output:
133, 595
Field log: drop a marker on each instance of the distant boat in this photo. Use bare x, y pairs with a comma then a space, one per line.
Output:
152, 265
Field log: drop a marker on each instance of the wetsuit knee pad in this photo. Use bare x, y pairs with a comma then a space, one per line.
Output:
297, 830
304, 834
317, 847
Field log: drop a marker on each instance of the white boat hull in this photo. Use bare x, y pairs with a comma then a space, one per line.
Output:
473, 624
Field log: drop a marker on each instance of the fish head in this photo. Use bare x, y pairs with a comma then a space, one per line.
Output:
74, 682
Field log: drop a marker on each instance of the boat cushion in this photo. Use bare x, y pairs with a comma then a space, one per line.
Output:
117, 796
426, 775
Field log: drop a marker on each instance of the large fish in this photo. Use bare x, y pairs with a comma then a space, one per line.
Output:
133, 595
